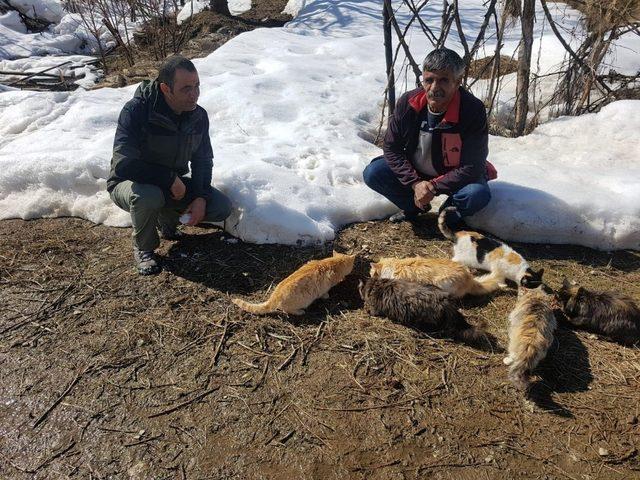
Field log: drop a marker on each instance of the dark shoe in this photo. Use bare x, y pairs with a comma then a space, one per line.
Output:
402, 216
146, 262
171, 233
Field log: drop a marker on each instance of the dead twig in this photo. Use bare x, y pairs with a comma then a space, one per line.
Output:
184, 404
73, 383
288, 359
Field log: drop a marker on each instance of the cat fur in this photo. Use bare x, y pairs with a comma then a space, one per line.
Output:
612, 314
450, 276
478, 251
310, 282
531, 331
424, 307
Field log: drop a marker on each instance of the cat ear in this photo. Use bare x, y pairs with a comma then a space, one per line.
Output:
540, 272
566, 283
580, 291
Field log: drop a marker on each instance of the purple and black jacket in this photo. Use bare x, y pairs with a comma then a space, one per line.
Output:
459, 146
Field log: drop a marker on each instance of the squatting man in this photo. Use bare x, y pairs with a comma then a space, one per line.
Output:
436, 143
162, 131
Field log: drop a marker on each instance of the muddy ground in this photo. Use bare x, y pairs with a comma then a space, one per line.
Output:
106, 374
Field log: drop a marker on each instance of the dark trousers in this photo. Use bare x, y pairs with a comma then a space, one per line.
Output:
379, 177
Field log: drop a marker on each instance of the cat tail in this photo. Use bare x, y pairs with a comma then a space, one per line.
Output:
442, 223
264, 307
486, 284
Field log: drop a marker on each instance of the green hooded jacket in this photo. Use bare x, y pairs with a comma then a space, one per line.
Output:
153, 145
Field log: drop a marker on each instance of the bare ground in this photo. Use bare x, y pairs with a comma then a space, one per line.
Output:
106, 374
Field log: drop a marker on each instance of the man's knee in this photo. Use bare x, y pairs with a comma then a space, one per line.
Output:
147, 197
374, 173
472, 198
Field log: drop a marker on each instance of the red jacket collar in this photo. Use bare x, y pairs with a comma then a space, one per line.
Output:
452, 115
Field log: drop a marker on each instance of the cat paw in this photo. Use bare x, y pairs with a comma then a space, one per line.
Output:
503, 285
507, 360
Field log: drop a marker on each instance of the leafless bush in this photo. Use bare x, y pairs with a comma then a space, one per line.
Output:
584, 85
158, 30
160, 27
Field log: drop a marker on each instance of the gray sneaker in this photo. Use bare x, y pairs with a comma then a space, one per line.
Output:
146, 262
170, 233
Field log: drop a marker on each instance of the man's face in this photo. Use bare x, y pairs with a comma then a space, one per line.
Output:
440, 86
183, 97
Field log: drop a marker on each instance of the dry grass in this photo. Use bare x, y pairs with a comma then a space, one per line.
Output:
107, 374
481, 67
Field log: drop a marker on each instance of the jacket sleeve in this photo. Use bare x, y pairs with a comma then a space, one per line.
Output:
395, 145
126, 161
202, 165
475, 148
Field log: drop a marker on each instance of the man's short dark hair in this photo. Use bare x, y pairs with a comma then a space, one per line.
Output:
444, 59
167, 72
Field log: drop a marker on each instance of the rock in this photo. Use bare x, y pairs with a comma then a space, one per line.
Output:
603, 452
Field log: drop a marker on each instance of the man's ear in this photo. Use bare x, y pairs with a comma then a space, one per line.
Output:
165, 88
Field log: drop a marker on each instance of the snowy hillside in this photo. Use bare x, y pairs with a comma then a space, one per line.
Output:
292, 111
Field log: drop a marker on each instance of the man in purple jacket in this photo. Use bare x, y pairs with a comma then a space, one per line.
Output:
436, 143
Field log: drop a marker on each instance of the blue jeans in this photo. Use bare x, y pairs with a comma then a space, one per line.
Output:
379, 177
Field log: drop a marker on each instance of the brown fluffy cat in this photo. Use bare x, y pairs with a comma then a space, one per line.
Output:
424, 307
310, 282
612, 314
531, 328
477, 251
445, 274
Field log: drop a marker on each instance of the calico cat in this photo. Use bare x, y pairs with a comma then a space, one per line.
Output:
531, 328
477, 251
310, 282
612, 314
446, 274
424, 307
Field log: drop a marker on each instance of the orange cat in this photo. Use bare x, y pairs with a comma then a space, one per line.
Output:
445, 274
310, 282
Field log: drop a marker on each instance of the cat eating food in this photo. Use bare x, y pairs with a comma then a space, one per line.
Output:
445, 274
424, 307
310, 282
477, 251
612, 314
531, 329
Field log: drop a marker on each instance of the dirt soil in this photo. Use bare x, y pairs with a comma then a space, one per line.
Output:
106, 374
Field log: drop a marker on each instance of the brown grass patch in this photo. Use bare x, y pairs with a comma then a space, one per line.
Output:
108, 374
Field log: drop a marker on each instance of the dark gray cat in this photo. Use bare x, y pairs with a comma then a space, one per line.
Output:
609, 313
424, 307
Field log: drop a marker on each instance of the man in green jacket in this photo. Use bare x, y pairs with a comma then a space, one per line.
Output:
162, 132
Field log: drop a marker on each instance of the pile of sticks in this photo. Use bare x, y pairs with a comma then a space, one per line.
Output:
43, 79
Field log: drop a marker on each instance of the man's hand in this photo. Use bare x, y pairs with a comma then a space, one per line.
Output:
197, 209
178, 189
423, 193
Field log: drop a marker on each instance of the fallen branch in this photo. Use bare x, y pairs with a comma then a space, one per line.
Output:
38, 73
